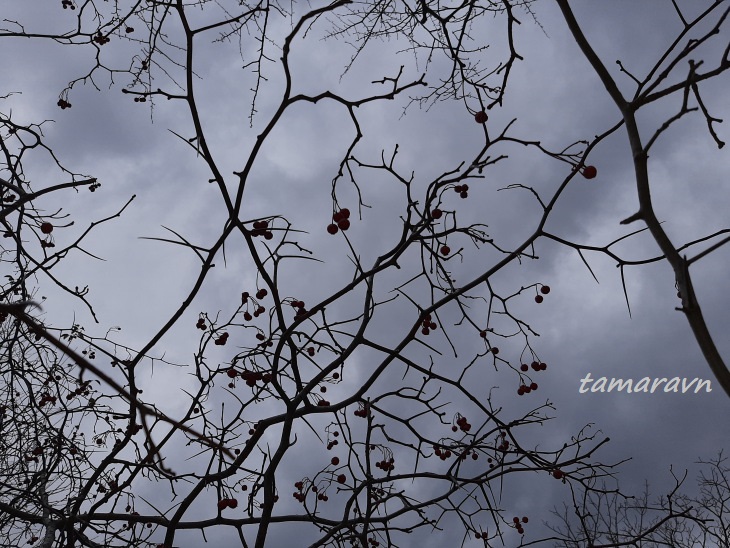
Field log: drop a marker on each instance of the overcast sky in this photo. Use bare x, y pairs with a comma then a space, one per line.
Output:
556, 98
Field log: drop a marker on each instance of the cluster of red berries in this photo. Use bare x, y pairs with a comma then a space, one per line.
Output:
140, 99
363, 411
227, 503
46, 398
63, 104
386, 465
518, 524
68, 4
261, 293
129, 29
481, 117
251, 377
100, 39
536, 366
201, 324
323, 403
462, 190
526, 389
340, 221
545, 289
461, 423
260, 228
331, 444
427, 325
301, 311
222, 339
441, 452
301, 496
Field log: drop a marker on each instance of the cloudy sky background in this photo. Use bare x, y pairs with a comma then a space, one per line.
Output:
556, 98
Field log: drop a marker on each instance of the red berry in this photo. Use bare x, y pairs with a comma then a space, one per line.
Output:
337, 217
516, 519
261, 293
524, 367
454, 428
525, 520
46, 228
533, 386
495, 350
342, 478
222, 504
231, 373
232, 503
483, 334
345, 213
480, 117
436, 213
589, 172
545, 289
335, 461
445, 250
557, 474
464, 194
332, 229
538, 299
344, 224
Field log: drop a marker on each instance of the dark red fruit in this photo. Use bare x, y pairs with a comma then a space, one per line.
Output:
46, 228
539, 299
480, 117
545, 289
445, 250
589, 172
436, 213
332, 229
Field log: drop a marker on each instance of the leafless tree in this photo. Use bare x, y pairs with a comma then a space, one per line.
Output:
396, 456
